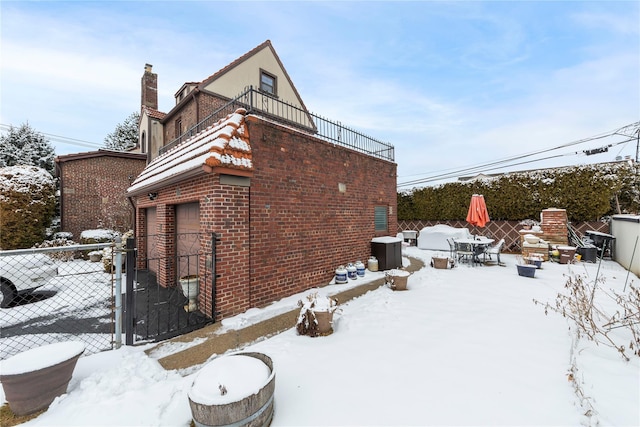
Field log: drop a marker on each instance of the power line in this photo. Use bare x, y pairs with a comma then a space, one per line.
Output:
61, 139
628, 131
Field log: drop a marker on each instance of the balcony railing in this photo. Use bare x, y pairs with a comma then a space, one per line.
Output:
257, 102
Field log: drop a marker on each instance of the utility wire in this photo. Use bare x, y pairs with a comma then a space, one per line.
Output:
61, 139
499, 165
627, 131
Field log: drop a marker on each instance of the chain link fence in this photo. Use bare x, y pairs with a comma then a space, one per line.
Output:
56, 294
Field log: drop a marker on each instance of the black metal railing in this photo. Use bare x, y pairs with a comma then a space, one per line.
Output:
255, 101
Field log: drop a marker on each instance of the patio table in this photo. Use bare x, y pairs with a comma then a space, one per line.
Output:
478, 244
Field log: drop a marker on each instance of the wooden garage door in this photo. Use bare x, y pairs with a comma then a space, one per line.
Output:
187, 238
152, 240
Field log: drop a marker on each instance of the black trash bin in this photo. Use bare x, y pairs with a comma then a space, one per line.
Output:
588, 253
602, 241
388, 252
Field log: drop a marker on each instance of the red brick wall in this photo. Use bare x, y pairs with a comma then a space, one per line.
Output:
302, 226
224, 210
554, 226
93, 193
292, 227
190, 114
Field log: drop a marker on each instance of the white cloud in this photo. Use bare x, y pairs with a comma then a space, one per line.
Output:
449, 84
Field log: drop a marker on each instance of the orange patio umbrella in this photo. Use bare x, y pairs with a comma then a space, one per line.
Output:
478, 214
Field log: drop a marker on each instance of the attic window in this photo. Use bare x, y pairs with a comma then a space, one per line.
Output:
268, 83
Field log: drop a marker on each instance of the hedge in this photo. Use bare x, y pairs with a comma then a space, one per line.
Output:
587, 192
27, 205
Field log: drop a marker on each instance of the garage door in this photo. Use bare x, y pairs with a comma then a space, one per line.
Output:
187, 238
152, 240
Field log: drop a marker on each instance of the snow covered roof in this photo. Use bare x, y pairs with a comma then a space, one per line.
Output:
102, 152
222, 146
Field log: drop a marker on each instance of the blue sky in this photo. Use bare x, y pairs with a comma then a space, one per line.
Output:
449, 84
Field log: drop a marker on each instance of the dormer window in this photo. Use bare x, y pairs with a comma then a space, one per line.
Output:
268, 83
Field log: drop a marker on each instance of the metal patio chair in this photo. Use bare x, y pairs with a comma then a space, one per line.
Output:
495, 250
464, 252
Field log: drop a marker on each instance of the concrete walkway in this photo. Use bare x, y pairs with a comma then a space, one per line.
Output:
220, 343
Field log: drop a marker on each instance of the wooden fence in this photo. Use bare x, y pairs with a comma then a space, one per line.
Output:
509, 230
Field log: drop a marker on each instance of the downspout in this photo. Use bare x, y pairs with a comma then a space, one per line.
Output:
149, 138
250, 251
135, 222
61, 186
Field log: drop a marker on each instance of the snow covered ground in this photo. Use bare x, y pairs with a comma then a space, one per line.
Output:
466, 346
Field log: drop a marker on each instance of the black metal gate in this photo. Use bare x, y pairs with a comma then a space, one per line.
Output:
156, 307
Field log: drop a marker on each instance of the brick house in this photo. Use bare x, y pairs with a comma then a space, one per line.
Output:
92, 189
288, 204
197, 102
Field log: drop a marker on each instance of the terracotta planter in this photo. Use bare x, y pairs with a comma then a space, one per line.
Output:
255, 409
33, 379
397, 279
325, 322
440, 263
316, 315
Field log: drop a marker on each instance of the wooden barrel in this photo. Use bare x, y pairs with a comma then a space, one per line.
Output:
251, 411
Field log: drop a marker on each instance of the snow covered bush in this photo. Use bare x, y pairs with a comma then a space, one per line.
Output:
108, 257
98, 236
57, 243
309, 322
63, 235
27, 205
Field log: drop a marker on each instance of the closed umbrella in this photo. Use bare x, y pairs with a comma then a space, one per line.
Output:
478, 214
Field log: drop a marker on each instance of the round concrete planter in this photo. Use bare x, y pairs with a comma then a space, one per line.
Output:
33, 379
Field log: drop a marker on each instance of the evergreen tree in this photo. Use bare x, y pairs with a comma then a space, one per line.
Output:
25, 146
125, 135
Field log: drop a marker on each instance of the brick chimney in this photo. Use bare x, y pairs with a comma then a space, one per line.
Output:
149, 88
